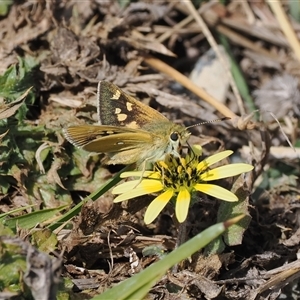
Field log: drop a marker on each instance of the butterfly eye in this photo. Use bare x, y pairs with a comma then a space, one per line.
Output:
174, 136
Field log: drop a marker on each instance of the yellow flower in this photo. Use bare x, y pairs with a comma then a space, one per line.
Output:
177, 178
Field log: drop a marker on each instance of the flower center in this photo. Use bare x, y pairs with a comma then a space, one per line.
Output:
178, 172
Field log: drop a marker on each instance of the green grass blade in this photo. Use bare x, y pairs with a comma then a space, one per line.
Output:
139, 285
94, 196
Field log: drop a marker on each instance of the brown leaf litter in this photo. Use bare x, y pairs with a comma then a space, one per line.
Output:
145, 49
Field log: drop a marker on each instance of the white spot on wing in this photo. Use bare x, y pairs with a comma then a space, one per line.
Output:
121, 117
116, 95
129, 106
133, 125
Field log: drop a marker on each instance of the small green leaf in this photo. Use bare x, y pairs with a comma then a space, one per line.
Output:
44, 239
4, 7
234, 235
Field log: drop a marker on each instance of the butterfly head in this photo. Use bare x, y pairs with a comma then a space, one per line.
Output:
178, 136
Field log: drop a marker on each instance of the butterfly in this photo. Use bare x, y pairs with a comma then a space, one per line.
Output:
129, 131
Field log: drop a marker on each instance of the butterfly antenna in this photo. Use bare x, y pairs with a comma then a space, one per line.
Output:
208, 122
202, 123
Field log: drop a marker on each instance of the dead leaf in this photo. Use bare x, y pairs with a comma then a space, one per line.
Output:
9, 109
147, 44
53, 175
3, 134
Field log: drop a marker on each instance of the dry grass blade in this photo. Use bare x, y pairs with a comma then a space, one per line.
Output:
177, 76
214, 45
286, 27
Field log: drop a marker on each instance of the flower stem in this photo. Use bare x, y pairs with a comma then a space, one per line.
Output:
181, 238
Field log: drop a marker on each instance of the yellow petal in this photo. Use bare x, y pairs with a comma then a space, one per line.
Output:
225, 171
138, 191
216, 191
152, 185
132, 189
157, 205
182, 205
126, 187
204, 164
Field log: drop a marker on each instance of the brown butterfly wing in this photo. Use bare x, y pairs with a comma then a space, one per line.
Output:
117, 108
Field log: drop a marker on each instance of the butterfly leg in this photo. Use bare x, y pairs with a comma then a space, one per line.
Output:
144, 167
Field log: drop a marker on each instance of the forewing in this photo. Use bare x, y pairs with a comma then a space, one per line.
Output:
117, 108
